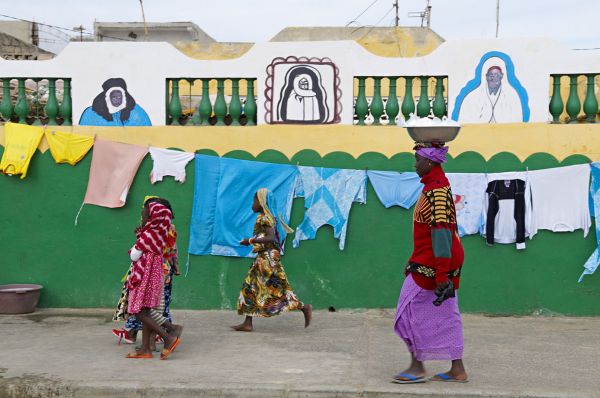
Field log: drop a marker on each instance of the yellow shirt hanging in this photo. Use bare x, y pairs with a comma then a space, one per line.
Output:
20, 144
68, 147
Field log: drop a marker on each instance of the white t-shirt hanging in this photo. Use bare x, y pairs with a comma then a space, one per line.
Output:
468, 190
505, 227
560, 198
169, 163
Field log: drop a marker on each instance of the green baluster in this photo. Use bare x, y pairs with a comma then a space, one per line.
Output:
423, 107
573, 103
362, 106
37, 120
22, 107
439, 104
196, 118
590, 104
392, 108
167, 117
408, 103
235, 105
175, 104
250, 105
66, 108
556, 106
205, 107
6, 107
220, 104
51, 107
377, 102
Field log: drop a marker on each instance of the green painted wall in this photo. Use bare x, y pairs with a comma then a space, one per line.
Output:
82, 266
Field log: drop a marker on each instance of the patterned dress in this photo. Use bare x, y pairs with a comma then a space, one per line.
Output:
170, 261
266, 291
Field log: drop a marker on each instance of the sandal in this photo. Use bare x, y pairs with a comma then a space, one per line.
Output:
446, 378
167, 351
408, 379
139, 355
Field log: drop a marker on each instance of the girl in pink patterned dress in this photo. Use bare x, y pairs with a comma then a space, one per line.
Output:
145, 283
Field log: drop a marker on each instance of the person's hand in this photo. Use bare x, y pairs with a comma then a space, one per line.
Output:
135, 254
245, 242
440, 287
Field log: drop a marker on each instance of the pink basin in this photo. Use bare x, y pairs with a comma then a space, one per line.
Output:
19, 299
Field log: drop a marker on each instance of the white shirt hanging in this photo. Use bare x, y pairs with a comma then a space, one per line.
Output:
168, 162
560, 198
505, 227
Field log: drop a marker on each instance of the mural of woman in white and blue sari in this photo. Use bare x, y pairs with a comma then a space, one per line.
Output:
114, 106
494, 95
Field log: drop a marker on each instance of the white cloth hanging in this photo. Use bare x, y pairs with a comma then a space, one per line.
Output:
168, 162
560, 198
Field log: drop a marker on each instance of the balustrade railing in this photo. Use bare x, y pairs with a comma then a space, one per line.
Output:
37, 101
211, 102
373, 107
579, 91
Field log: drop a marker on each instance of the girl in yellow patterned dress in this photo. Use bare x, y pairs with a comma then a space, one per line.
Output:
266, 291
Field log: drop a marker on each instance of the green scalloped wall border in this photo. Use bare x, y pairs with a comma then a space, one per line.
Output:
544, 276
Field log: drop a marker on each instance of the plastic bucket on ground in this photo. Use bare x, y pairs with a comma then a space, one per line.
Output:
19, 299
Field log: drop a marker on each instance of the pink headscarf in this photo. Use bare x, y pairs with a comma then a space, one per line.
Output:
435, 154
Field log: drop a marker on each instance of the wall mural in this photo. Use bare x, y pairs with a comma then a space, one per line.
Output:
302, 91
494, 95
114, 106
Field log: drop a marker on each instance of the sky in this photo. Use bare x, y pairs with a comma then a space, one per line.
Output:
572, 22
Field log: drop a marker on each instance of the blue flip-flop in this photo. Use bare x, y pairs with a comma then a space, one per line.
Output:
445, 378
411, 379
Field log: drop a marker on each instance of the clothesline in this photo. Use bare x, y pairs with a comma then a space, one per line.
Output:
521, 203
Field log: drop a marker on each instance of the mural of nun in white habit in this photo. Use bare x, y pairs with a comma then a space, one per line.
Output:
303, 98
494, 99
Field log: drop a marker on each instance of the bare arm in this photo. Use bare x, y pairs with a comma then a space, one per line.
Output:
268, 238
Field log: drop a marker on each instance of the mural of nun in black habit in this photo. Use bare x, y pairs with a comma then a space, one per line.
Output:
303, 98
114, 106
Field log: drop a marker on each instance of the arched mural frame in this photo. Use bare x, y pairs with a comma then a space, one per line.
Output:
476, 82
270, 107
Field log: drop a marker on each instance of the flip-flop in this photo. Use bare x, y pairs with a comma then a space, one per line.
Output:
411, 379
138, 355
167, 351
446, 379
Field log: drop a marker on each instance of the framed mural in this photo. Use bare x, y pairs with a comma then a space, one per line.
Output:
494, 95
114, 106
302, 91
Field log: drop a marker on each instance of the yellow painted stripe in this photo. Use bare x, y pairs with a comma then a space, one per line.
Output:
521, 139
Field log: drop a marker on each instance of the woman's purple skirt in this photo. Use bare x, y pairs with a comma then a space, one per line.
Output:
430, 332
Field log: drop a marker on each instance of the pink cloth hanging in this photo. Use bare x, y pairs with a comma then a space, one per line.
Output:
113, 168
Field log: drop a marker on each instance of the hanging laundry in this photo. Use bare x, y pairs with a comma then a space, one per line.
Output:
68, 147
468, 190
396, 189
20, 143
169, 163
508, 209
560, 199
592, 263
113, 168
224, 189
328, 195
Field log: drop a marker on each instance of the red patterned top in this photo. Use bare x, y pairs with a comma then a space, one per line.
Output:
437, 246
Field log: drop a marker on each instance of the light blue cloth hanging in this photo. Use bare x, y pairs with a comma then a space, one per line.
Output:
592, 263
328, 195
222, 210
468, 191
396, 189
